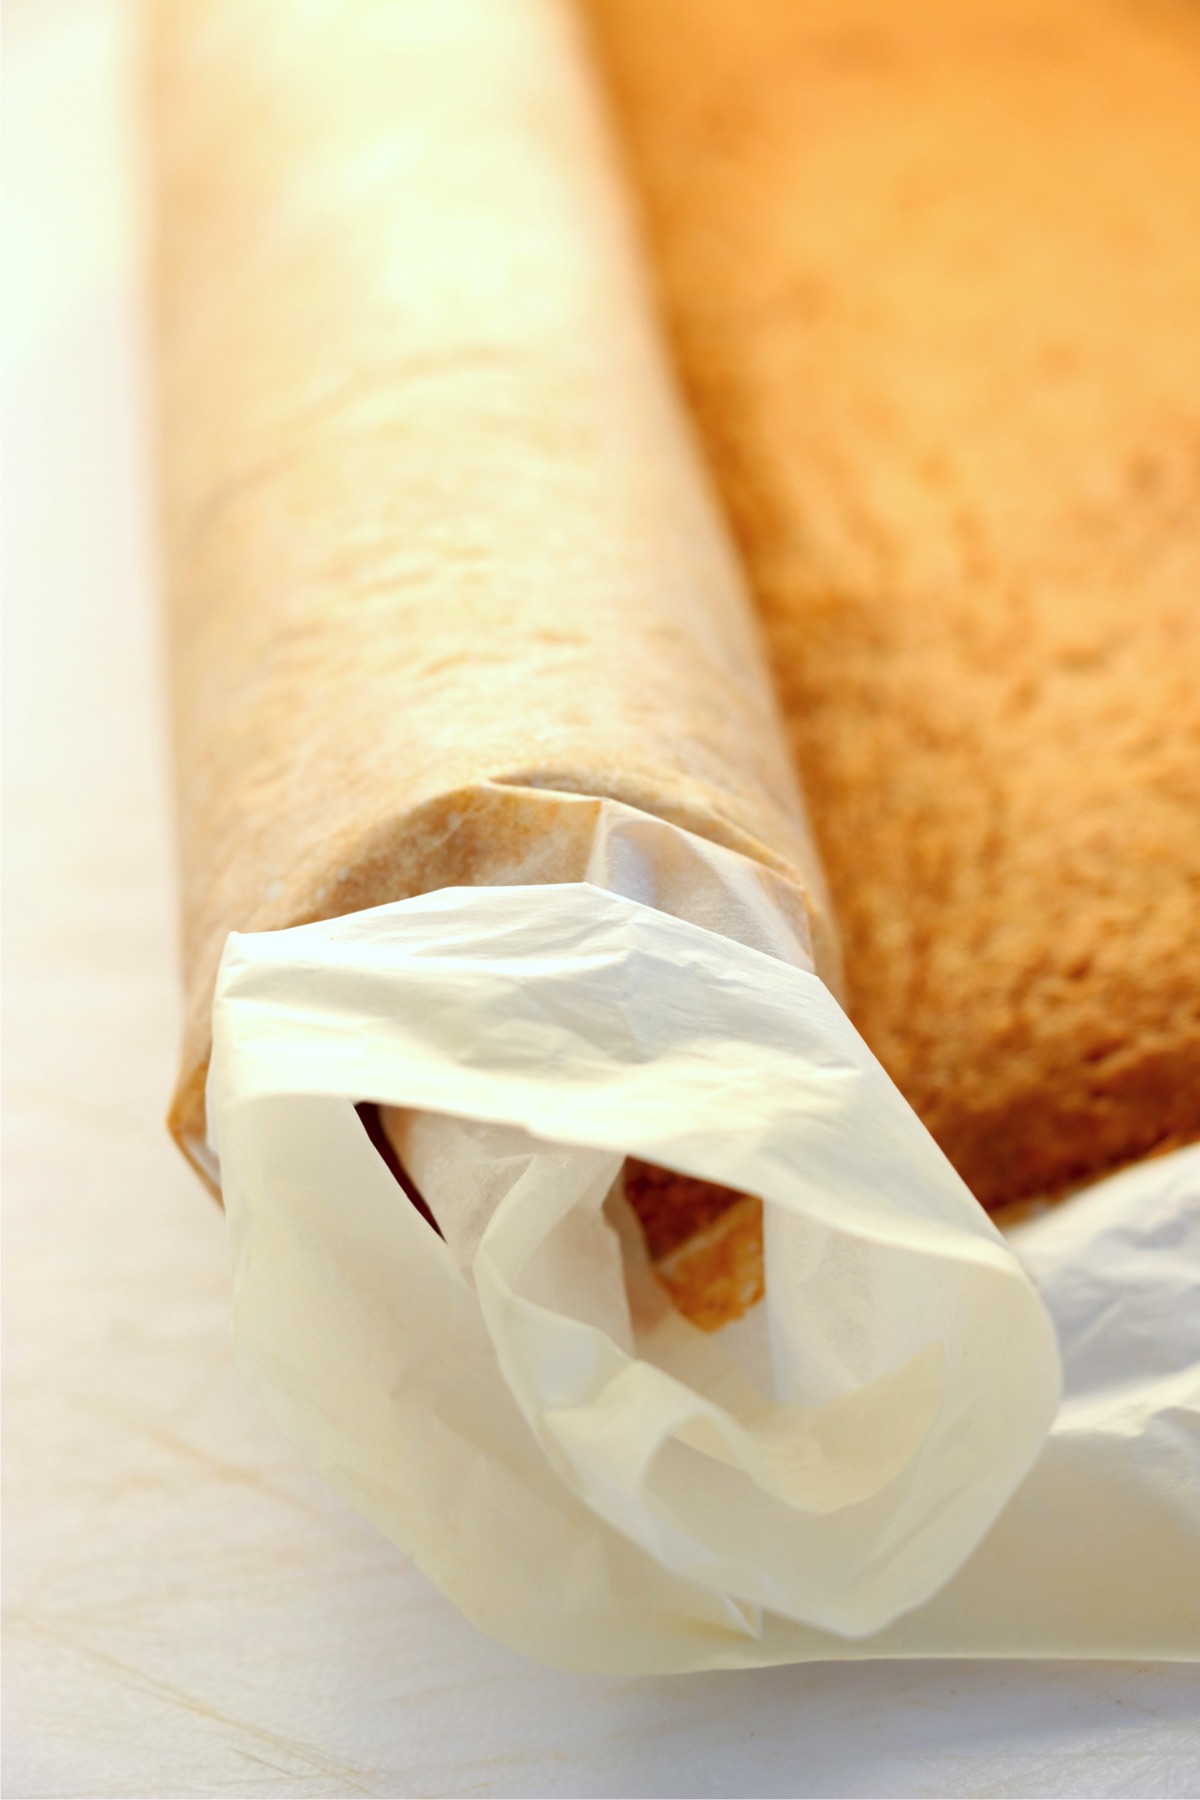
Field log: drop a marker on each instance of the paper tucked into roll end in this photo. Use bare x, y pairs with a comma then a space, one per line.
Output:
509, 1395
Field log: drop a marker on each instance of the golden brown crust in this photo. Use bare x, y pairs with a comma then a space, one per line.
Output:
717, 1274
672, 1208
933, 274
705, 1242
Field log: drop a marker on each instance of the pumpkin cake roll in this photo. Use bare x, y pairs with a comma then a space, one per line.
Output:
445, 574
933, 277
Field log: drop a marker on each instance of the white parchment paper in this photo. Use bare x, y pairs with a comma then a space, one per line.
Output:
514, 1402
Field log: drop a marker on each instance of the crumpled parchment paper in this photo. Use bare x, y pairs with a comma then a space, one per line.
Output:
515, 1403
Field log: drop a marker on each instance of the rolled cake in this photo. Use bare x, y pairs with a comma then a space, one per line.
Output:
440, 554
933, 277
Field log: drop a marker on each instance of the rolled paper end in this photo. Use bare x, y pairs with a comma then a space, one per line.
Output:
512, 1395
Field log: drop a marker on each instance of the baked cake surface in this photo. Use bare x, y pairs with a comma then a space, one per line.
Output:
933, 277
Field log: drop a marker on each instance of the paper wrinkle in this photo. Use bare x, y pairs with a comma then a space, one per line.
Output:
678, 873
1097, 1554
586, 1474
1115, 1272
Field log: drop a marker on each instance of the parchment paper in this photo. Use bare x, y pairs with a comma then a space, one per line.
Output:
585, 1475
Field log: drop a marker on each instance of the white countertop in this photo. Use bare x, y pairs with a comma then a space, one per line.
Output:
188, 1609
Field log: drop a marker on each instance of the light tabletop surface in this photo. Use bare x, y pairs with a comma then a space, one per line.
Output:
188, 1609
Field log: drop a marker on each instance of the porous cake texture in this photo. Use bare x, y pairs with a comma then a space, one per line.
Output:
933, 277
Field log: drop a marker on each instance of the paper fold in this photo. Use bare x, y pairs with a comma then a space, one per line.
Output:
687, 1493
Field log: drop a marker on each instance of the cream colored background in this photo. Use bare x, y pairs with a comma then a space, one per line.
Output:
188, 1610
